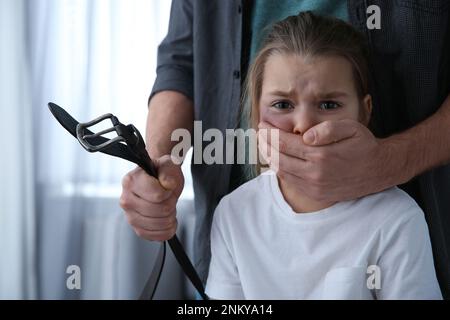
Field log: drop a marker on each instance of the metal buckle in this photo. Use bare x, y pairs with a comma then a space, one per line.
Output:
117, 127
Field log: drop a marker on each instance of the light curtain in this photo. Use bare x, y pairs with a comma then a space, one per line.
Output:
59, 204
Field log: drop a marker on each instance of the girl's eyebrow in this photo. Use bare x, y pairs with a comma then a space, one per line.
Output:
282, 93
333, 94
328, 95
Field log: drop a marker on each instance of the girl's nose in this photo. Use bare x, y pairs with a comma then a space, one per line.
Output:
304, 119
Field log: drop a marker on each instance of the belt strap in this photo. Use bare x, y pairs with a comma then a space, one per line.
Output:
137, 154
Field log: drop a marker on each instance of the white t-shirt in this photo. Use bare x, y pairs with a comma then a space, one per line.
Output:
262, 249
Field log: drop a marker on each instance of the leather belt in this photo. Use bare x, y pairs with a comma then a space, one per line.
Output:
128, 145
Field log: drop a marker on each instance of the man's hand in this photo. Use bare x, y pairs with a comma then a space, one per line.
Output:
149, 203
335, 161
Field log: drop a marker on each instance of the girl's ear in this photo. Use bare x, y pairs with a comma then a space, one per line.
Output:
366, 109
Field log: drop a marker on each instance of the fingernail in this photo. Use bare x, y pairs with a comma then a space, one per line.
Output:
309, 137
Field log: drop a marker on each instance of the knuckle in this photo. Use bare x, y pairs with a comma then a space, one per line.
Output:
282, 145
320, 157
172, 222
320, 178
132, 220
284, 162
125, 202
314, 191
174, 201
140, 233
157, 225
127, 181
166, 158
165, 225
281, 174
181, 175
157, 196
316, 178
173, 229
167, 209
327, 128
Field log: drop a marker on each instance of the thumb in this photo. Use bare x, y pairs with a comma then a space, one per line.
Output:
329, 132
170, 175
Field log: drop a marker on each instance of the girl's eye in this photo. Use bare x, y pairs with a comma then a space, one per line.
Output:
282, 105
329, 105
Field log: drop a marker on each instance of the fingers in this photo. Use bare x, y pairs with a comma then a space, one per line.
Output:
131, 202
150, 203
306, 186
329, 132
293, 166
283, 162
162, 235
287, 143
145, 186
292, 180
137, 221
150, 221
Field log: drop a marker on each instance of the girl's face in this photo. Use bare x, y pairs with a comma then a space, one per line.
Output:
298, 94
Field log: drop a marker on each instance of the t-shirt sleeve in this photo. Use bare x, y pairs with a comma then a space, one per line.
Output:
175, 53
223, 279
406, 260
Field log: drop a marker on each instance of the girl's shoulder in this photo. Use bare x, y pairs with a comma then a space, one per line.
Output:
257, 186
389, 207
393, 198
249, 195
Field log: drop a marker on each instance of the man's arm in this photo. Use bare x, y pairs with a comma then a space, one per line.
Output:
168, 111
423, 147
342, 160
150, 203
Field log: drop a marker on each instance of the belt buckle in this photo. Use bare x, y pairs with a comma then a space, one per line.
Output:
119, 128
